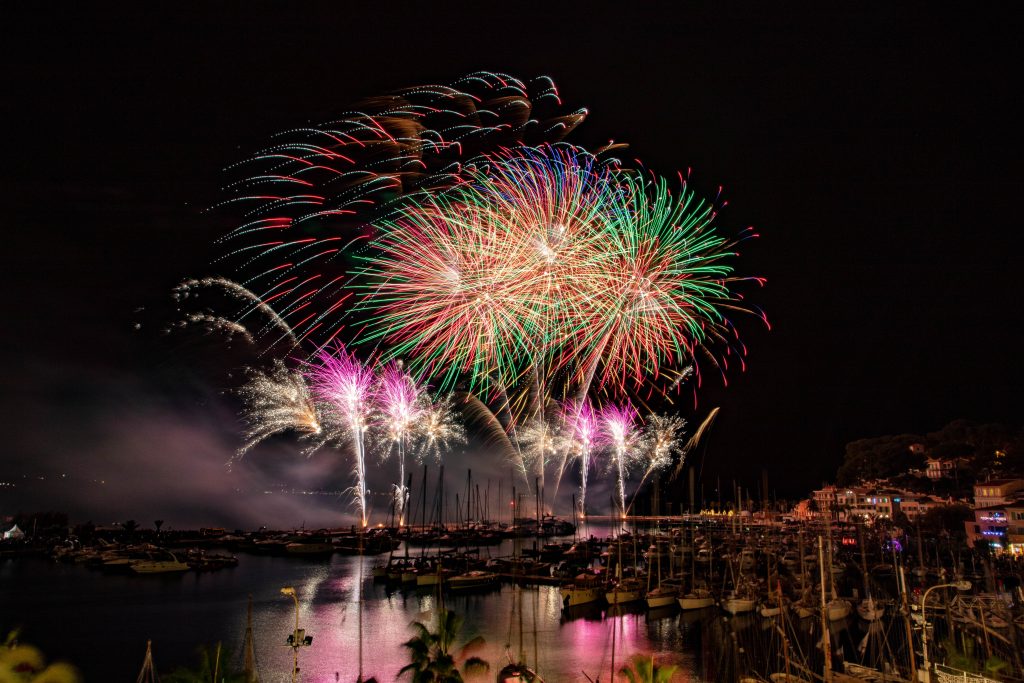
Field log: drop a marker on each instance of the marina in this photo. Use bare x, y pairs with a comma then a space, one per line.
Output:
754, 609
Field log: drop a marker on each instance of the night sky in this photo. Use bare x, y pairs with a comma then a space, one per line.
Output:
877, 152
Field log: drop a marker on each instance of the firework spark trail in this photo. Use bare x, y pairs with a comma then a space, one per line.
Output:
188, 288
342, 382
214, 323
401, 401
279, 400
698, 435
618, 425
659, 444
479, 413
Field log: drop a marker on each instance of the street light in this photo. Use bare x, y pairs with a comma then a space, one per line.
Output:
298, 638
959, 585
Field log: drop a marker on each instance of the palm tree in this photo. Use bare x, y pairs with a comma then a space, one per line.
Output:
130, 527
642, 669
432, 659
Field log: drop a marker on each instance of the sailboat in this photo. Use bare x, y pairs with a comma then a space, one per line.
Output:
741, 598
624, 590
868, 609
586, 588
667, 592
697, 598
836, 609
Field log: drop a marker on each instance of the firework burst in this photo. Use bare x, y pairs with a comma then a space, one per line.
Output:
451, 227
583, 432
344, 385
659, 445
278, 400
618, 422
438, 428
547, 267
540, 443
401, 401
659, 290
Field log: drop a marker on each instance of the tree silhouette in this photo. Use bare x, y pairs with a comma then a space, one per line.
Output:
130, 526
431, 655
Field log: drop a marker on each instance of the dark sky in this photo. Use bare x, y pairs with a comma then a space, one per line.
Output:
876, 150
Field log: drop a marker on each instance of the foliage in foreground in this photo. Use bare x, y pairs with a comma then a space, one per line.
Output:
642, 669
431, 652
20, 663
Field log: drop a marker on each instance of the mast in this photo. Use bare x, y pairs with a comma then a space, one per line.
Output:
902, 579
248, 647
469, 494
423, 516
864, 567
148, 672
440, 497
826, 637
920, 548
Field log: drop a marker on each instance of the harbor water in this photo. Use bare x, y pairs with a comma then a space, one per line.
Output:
101, 622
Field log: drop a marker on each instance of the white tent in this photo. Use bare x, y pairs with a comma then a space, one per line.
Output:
14, 532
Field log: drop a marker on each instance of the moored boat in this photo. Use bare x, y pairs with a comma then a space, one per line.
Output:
625, 591
585, 589
159, 563
838, 609
665, 595
471, 580
697, 599
736, 604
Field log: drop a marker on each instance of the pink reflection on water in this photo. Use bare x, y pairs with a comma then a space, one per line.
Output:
561, 646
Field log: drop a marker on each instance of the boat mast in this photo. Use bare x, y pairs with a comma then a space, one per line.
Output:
826, 638
423, 516
902, 580
148, 672
249, 661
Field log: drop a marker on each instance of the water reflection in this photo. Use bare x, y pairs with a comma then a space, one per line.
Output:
183, 612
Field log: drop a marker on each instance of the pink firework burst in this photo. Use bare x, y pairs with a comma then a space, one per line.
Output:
344, 383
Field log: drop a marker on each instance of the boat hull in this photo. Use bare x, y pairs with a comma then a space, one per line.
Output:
738, 605
622, 597
696, 602
572, 596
